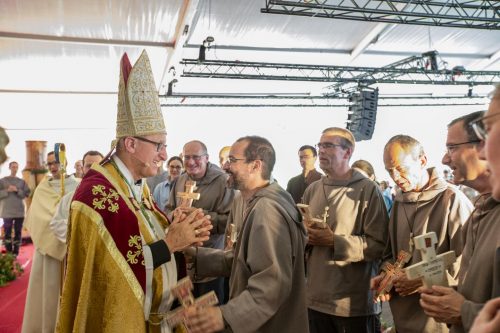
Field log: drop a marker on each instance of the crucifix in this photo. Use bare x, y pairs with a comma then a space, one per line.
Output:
314, 222
182, 291
432, 268
390, 272
188, 196
231, 236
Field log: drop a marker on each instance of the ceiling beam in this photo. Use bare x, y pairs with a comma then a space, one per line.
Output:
367, 40
82, 40
485, 63
68, 92
188, 16
333, 51
218, 105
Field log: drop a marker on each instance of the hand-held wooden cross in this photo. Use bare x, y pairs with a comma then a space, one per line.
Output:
390, 272
231, 236
182, 291
433, 267
188, 196
313, 221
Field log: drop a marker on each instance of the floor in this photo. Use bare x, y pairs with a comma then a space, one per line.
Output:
13, 295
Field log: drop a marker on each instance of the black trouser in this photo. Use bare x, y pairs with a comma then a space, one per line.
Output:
216, 285
12, 245
320, 322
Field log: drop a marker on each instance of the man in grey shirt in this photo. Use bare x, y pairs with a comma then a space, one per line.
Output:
13, 190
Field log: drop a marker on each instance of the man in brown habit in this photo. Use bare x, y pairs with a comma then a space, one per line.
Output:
267, 280
479, 271
424, 202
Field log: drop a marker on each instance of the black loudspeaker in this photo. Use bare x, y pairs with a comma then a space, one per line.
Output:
362, 113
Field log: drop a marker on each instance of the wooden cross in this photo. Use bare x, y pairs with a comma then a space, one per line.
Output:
314, 222
325, 215
182, 291
233, 233
231, 236
188, 196
390, 272
432, 268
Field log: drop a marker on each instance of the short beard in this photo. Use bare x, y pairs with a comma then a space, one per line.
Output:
233, 182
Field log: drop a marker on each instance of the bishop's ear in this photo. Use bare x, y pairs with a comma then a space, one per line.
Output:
129, 143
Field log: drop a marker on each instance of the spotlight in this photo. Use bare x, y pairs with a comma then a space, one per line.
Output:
170, 86
431, 59
205, 46
171, 71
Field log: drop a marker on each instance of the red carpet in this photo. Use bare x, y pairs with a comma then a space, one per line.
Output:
13, 296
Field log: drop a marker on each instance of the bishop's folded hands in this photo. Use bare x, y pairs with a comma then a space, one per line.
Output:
188, 230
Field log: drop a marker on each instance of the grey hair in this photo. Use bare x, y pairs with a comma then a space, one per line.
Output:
408, 143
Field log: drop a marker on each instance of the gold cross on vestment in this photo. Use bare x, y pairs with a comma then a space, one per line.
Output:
188, 196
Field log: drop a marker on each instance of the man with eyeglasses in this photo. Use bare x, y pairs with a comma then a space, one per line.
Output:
346, 253
425, 202
488, 129
266, 264
472, 140
42, 297
215, 200
120, 263
478, 277
298, 184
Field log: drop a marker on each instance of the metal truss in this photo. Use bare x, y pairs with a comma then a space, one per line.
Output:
445, 13
428, 60
406, 72
304, 101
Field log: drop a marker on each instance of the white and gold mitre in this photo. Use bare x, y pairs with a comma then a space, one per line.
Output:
139, 111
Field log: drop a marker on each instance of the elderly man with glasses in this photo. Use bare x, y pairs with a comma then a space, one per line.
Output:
425, 202
45, 278
346, 253
215, 200
479, 273
120, 263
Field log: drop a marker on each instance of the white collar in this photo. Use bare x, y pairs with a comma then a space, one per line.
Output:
129, 179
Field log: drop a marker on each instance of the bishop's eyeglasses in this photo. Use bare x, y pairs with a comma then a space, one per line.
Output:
159, 145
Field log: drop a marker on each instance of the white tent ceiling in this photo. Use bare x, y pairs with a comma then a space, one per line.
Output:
59, 62
75, 46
